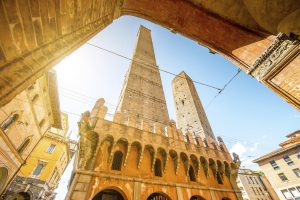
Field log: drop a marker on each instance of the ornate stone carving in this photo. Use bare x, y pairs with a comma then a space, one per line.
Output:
278, 50
236, 158
88, 142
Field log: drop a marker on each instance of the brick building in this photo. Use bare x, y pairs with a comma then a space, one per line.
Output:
39, 177
141, 154
282, 167
253, 186
23, 122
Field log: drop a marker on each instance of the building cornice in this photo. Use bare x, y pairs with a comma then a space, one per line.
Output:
152, 181
276, 152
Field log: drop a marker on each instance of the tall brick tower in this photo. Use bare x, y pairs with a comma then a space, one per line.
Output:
140, 154
142, 95
190, 113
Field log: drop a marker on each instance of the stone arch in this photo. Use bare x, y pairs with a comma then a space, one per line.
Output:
221, 167
110, 193
174, 159
3, 177
120, 145
213, 167
227, 169
147, 162
158, 195
220, 172
185, 160
197, 197
104, 153
162, 153
136, 148
107, 137
195, 163
204, 165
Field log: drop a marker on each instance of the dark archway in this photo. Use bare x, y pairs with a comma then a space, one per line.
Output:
192, 174
117, 161
109, 194
158, 196
3, 177
20, 196
157, 168
197, 197
226, 198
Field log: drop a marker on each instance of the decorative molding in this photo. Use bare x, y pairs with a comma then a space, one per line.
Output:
151, 181
278, 49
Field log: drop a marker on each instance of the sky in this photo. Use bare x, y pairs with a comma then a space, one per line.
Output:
251, 119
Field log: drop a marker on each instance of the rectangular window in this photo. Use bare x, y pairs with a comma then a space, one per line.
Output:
251, 180
294, 192
287, 194
253, 190
274, 164
288, 160
282, 177
297, 172
255, 180
248, 179
51, 148
38, 169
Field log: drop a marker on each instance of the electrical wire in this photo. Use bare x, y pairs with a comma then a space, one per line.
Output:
226, 84
150, 65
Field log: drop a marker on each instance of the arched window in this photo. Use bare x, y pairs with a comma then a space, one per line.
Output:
219, 178
117, 161
158, 196
109, 194
197, 198
24, 145
192, 174
9, 121
157, 168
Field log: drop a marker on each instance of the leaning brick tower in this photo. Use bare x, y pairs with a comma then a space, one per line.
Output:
140, 154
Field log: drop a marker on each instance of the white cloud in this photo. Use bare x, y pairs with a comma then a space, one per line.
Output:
238, 148
244, 151
254, 147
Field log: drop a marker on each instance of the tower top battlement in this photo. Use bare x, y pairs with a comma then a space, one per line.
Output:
163, 134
